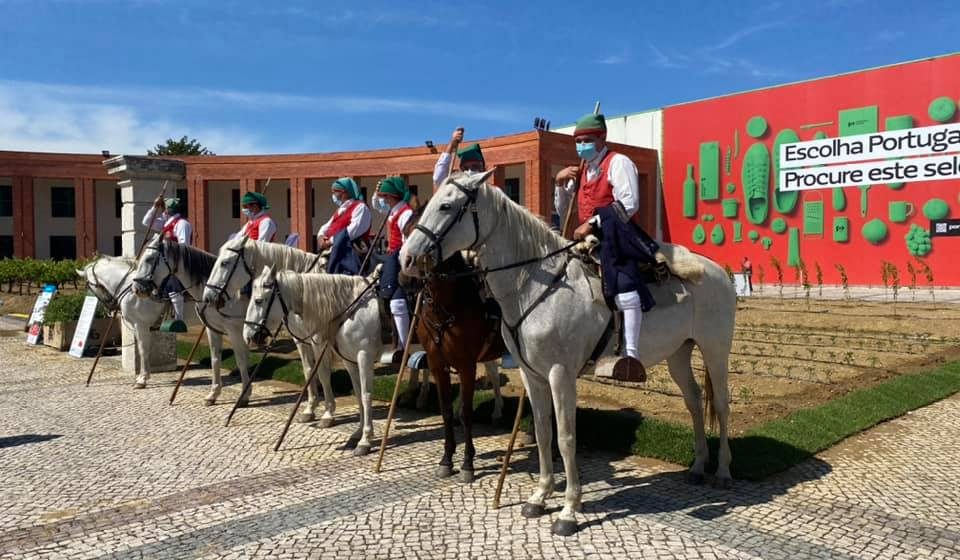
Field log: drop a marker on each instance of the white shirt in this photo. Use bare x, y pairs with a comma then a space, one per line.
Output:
442, 168
403, 219
267, 227
183, 231
360, 220
622, 175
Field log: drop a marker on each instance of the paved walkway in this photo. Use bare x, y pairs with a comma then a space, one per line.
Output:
108, 472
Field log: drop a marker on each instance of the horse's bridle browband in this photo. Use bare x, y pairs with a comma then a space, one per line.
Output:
471, 205
110, 301
221, 291
148, 283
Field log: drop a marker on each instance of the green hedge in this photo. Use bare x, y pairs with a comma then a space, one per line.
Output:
39, 271
65, 308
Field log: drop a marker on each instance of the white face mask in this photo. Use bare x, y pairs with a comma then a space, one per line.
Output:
381, 205
336, 200
247, 212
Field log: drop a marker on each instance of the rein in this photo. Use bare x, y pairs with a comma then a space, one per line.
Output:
110, 301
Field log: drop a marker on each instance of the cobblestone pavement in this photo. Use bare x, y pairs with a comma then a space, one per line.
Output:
109, 472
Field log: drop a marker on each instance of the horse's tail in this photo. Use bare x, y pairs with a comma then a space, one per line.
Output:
709, 411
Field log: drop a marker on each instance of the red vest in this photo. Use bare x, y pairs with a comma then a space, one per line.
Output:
597, 193
342, 220
394, 235
167, 231
252, 229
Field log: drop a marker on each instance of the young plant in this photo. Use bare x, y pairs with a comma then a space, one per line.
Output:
843, 281
760, 276
778, 268
913, 279
894, 274
819, 279
885, 277
928, 275
804, 279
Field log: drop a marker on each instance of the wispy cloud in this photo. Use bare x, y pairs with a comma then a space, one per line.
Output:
741, 34
79, 118
664, 60
709, 59
613, 59
888, 36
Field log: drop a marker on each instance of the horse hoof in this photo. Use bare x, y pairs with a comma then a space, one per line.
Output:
532, 511
243, 403
695, 479
444, 471
210, 401
306, 417
564, 527
139, 385
723, 483
325, 423
466, 476
361, 450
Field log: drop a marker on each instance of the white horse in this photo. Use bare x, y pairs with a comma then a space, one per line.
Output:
239, 262
337, 313
162, 258
553, 317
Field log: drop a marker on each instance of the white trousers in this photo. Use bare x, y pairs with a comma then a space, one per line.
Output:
401, 318
629, 303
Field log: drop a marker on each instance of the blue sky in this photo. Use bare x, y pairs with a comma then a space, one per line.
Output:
298, 76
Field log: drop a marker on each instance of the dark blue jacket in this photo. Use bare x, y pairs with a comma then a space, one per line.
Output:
623, 248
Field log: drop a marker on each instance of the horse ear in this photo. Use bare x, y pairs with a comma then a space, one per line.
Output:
482, 179
81, 273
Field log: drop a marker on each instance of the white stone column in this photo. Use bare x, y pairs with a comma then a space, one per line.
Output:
141, 180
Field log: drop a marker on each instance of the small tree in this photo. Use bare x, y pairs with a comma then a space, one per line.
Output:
181, 147
885, 277
894, 275
804, 279
912, 271
760, 276
819, 279
843, 281
778, 268
928, 275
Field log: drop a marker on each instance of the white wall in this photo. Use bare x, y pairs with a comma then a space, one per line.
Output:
108, 224
220, 212
46, 225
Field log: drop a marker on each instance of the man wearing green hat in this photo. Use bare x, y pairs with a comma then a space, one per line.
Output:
391, 199
347, 232
607, 201
259, 225
471, 158
164, 216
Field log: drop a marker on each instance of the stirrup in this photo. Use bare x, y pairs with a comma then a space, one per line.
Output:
629, 369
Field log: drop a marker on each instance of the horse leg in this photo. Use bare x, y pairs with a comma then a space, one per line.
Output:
468, 380
563, 386
682, 373
216, 344
306, 362
143, 346
355, 381
365, 373
493, 377
325, 379
241, 354
716, 363
539, 392
441, 376
424, 385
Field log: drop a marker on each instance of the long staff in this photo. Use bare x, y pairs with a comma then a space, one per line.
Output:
183, 372
576, 187
396, 387
303, 391
249, 382
113, 316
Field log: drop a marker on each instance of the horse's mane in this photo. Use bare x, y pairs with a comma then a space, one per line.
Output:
322, 296
530, 235
283, 257
128, 261
196, 263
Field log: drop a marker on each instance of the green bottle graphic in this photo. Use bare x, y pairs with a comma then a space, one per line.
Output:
689, 194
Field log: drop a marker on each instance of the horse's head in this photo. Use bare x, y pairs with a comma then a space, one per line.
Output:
449, 223
230, 273
265, 310
153, 265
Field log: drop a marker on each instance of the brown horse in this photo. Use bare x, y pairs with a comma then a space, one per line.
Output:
458, 331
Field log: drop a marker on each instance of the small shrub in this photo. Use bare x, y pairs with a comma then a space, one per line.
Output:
912, 271
778, 268
760, 276
804, 279
843, 281
64, 308
893, 274
819, 279
928, 275
885, 277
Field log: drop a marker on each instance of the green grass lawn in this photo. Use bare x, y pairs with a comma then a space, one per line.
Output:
764, 450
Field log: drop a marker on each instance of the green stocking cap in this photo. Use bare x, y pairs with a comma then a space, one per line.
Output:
395, 186
349, 186
254, 198
590, 124
471, 153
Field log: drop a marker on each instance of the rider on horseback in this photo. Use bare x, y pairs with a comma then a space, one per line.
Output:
471, 159
391, 199
608, 200
347, 232
165, 217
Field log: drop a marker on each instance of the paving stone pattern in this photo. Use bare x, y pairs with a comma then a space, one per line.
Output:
109, 472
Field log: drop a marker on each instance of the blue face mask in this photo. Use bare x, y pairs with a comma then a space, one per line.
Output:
586, 150
381, 205
336, 200
247, 212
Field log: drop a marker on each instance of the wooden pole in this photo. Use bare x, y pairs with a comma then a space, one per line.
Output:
513, 439
303, 391
183, 372
576, 187
396, 387
246, 386
113, 317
